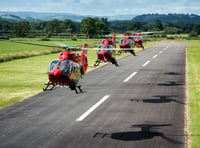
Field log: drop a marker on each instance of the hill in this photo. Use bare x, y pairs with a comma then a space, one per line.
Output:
36, 16
30, 16
50, 16
169, 18
10, 18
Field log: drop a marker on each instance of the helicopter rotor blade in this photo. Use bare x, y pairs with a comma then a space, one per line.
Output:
35, 44
62, 47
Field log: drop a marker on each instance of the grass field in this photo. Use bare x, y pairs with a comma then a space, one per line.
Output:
194, 91
12, 50
12, 47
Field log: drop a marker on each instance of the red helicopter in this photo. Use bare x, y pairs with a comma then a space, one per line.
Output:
138, 40
67, 69
106, 52
126, 43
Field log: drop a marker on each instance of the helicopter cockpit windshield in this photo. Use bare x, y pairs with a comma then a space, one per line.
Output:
108, 48
138, 37
127, 41
66, 66
53, 64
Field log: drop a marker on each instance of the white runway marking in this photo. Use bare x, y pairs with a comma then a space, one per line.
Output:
161, 51
155, 56
92, 108
145, 64
130, 77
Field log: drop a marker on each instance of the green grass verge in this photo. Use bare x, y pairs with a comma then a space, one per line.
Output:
23, 77
194, 91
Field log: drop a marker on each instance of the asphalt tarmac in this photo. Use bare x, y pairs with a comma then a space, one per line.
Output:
139, 104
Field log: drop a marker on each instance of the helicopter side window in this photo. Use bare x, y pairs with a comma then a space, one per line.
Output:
100, 47
53, 64
66, 66
75, 68
121, 41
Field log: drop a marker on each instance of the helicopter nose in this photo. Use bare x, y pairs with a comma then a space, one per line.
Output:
123, 44
56, 72
103, 52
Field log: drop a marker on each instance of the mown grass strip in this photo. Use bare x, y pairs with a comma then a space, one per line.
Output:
26, 54
193, 56
15, 50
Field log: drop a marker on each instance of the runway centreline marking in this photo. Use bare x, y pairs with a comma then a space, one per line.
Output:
128, 78
155, 56
145, 64
92, 108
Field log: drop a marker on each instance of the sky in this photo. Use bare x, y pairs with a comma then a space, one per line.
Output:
103, 7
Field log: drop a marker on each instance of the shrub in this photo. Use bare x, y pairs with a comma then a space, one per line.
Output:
45, 39
193, 34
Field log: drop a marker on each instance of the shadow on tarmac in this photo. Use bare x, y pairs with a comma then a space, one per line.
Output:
172, 73
161, 99
170, 83
144, 133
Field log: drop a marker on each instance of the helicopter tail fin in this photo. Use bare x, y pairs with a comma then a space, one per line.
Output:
114, 37
84, 62
133, 33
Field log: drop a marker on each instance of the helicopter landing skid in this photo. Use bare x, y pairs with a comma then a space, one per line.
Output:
47, 86
73, 86
97, 62
79, 87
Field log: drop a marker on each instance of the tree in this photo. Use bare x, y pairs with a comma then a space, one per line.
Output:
172, 30
39, 25
158, 25
196, 29
88, 26
68, 25
193, 34
106, 23
53, 27
100, 25
22, 28
5, 27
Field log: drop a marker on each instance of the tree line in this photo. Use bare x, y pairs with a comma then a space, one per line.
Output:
91, 27
169, 28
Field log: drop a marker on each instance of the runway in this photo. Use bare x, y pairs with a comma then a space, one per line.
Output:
139, 104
